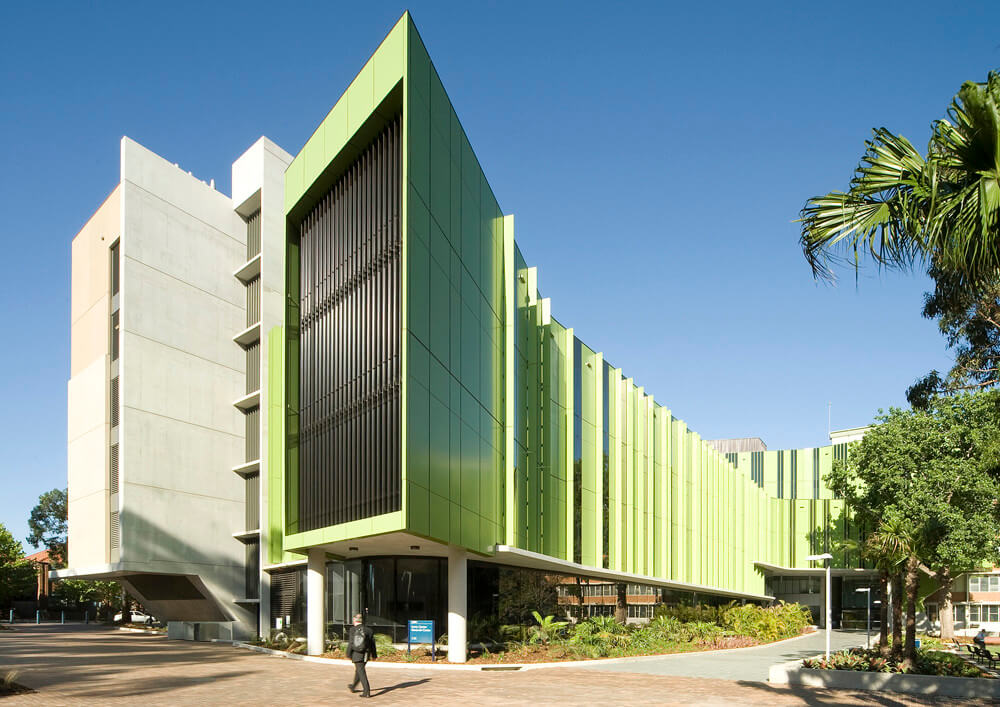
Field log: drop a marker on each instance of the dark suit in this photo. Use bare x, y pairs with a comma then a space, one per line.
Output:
360, 657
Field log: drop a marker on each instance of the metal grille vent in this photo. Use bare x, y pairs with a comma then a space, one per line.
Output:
253, 235
350, 247
113, 470
284, 591
115, 530
114, 402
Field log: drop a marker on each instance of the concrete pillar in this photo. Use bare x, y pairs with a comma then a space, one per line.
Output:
316, 601
457, 604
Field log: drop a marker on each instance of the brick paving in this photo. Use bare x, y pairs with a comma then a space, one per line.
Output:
78, 665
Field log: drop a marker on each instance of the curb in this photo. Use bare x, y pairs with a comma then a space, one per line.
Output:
496, 667
792, 673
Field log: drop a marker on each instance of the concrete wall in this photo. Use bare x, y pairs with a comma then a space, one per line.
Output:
87, 402
180, 372
259, 182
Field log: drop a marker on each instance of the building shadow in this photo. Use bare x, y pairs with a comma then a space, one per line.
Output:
821, 697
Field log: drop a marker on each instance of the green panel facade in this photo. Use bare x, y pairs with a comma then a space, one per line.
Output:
514, 431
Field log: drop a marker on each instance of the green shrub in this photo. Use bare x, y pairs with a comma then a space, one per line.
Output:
702, 631
606, 624
547, 630
928, 662
513, 632
767, 624
686, 614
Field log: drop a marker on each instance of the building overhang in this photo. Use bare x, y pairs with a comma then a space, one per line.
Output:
812, 571
167, 596
401, 544
508, 555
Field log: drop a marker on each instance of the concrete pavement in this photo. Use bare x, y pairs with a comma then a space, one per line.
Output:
749, 664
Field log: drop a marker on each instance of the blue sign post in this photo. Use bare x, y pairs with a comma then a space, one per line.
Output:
420, 632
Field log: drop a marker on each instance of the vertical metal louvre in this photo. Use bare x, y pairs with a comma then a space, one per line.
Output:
252, 419
350, 248
253, 367
253, 235
252, 502
253, 570
253, 301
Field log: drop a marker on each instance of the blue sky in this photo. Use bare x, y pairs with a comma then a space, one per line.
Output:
655, 158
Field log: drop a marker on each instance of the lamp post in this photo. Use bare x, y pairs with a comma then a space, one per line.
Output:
867, 591
828, 557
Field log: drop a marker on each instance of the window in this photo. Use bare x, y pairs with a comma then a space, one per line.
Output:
974, 613
932, 613
960, 614
115, 335
115, 279
640, 611
994, 610
984, 583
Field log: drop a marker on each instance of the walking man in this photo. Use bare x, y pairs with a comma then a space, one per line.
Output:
360, 645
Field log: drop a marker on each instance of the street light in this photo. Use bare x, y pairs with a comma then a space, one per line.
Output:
867, 591
816, 558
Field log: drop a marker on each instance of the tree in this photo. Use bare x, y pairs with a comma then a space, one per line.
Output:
523, 591
903, 208
621, 603
17, 575
969, 319
930, 478
47, 524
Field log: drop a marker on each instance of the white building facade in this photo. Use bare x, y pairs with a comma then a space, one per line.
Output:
164, 393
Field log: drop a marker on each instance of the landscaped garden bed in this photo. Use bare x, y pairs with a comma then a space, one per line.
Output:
931, 672
549, 640
927, 662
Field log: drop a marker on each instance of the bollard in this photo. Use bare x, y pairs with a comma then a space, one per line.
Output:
86, 617
62, 617
12, 616
38, 616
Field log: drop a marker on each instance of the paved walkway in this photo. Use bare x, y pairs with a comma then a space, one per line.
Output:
84, 665
740, 664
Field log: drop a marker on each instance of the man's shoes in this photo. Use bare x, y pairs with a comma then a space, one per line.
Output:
351, 687
364, 694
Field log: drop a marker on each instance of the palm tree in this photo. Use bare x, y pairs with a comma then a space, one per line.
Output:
904, 208
890, 547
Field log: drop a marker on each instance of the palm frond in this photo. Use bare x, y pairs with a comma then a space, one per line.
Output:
902, 208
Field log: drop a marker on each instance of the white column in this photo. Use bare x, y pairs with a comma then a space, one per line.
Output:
457, 604
829, 603
316, 601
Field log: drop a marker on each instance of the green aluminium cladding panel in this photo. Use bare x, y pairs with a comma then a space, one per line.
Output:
513, 430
